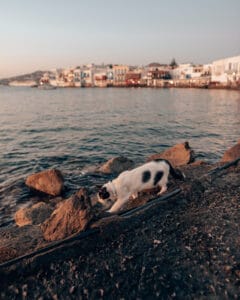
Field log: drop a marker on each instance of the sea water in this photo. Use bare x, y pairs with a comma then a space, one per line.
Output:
74, 129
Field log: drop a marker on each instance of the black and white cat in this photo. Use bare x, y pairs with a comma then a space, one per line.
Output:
129, 183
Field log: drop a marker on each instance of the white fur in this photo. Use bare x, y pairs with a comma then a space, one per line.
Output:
129, 183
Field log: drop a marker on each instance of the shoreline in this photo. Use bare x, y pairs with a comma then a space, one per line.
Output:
162, 86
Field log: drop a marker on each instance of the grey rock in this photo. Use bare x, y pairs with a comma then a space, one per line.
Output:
34, 215
116, 165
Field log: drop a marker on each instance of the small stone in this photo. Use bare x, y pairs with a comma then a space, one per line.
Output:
227, 269
101, 291
62, 281
72, 289
237, 272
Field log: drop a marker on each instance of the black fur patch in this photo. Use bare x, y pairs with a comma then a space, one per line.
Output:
158, 177
103, 193
146, 176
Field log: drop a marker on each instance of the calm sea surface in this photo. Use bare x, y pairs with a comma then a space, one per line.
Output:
74, 129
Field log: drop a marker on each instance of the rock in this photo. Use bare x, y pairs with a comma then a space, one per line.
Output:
232, 153
16, 241
34, 215
178, 155
50, 182
71, 216
237, 272
198, 163
116, 165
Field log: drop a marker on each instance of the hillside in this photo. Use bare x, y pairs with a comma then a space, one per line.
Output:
25, 77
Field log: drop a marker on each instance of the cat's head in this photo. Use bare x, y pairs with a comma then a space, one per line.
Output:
104, 196
103, 193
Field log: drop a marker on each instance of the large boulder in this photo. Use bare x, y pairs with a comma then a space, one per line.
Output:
116, 165
71, 216
16, 241
50, 182
34, 215
178, 155
232, 153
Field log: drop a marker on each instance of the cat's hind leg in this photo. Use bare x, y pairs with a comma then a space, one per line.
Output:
163, 186
163, 189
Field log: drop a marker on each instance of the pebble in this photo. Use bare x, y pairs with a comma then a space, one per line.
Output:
72, 289
237, 272
24, 291
188, 248
227, 269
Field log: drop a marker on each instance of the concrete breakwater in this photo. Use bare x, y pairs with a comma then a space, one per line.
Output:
184, 247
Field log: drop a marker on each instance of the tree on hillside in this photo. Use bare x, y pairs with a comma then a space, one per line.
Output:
173, 63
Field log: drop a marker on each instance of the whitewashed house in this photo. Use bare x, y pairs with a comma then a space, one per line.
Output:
226, 71
100, 79
77, 77
187, 71
87, 77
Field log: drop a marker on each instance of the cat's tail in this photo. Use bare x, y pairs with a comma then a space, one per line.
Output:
176, 173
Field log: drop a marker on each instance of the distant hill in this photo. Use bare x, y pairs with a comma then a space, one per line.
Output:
31, 76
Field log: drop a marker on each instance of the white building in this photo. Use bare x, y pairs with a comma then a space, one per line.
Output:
187, 71
226, 71
87, 77
100, 79
119, 74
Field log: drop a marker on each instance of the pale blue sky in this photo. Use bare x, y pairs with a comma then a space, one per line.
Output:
60, 33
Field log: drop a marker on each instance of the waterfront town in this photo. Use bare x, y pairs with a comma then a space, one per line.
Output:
223, 73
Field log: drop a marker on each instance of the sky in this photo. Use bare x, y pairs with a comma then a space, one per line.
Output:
47, 34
